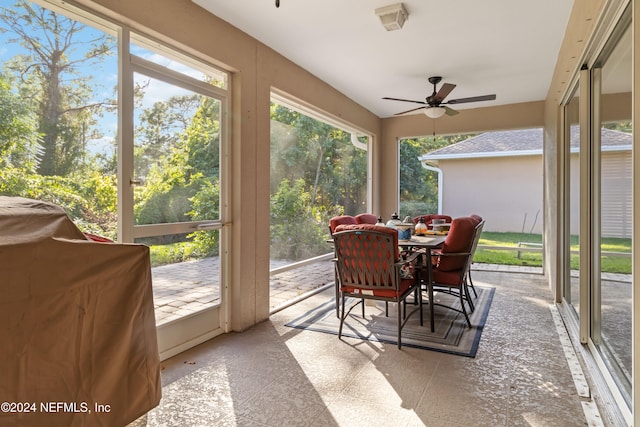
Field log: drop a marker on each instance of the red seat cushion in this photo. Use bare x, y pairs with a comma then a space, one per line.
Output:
451, 278
386, 293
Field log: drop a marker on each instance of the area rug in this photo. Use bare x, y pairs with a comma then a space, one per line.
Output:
451, 332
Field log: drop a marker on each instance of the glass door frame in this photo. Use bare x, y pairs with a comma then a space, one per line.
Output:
588, 322
181, 334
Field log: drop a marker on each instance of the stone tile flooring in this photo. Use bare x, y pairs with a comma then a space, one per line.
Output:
272, 375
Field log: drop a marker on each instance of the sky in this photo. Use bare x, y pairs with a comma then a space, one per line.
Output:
103, 76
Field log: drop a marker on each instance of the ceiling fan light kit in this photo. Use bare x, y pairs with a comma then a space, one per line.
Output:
433, 104
435, 112
393, 16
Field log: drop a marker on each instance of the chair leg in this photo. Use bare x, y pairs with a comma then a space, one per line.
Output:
432, 306
341, 316
472, 306
420, 305
337, 286
464, 310
467, 295
399, 324
471, 283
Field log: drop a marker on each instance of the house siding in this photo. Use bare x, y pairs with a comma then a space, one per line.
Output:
617, 201
506, 191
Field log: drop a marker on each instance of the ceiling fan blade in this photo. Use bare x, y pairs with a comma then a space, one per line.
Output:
443, 92
405, 100
450, 111
409, 111
472, 99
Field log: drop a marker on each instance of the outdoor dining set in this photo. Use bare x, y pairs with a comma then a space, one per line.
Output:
399, 260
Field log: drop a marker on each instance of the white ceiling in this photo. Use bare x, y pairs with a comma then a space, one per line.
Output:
503, 47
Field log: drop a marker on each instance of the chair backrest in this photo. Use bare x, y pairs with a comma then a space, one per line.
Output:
339, 220
366, 255
476, 237
477, 217
366, 218
459, 240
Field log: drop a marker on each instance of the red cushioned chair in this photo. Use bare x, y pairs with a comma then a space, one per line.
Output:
369, 266
480, 222
452, 263
366, 218
333, 223
96, 238
339, 220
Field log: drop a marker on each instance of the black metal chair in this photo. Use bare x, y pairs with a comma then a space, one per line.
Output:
369, 267
451, 265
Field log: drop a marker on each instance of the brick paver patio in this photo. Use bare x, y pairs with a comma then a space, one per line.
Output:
185, 288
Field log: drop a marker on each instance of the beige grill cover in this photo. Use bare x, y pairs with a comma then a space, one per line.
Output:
77, 323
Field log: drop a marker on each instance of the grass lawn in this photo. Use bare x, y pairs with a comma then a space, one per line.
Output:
183, 251
610, 264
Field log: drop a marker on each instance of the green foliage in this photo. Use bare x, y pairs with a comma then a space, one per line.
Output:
203, 136
172, 253
90, 203
297, 231
415, 208
419, 186
334, 170
316, 173
49, 77
622, 126
205, 206
18, 135
165, 196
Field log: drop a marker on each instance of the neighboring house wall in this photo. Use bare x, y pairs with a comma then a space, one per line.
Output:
499, 175
616, 198
506, 191
616, 194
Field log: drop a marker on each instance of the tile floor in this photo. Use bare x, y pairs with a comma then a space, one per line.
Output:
273, 375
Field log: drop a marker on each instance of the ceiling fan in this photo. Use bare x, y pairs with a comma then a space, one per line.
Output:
434, 106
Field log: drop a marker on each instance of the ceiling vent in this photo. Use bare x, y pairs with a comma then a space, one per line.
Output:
393, 16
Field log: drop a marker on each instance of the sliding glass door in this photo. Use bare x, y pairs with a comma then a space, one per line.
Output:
612, 314
598, 208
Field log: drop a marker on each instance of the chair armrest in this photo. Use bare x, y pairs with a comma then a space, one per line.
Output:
452, 254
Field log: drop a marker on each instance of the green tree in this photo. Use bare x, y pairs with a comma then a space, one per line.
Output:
622, 126
419, 186
160, 128
56, 50
295, 234
205, 206
323, 156
18, 135
187, 170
